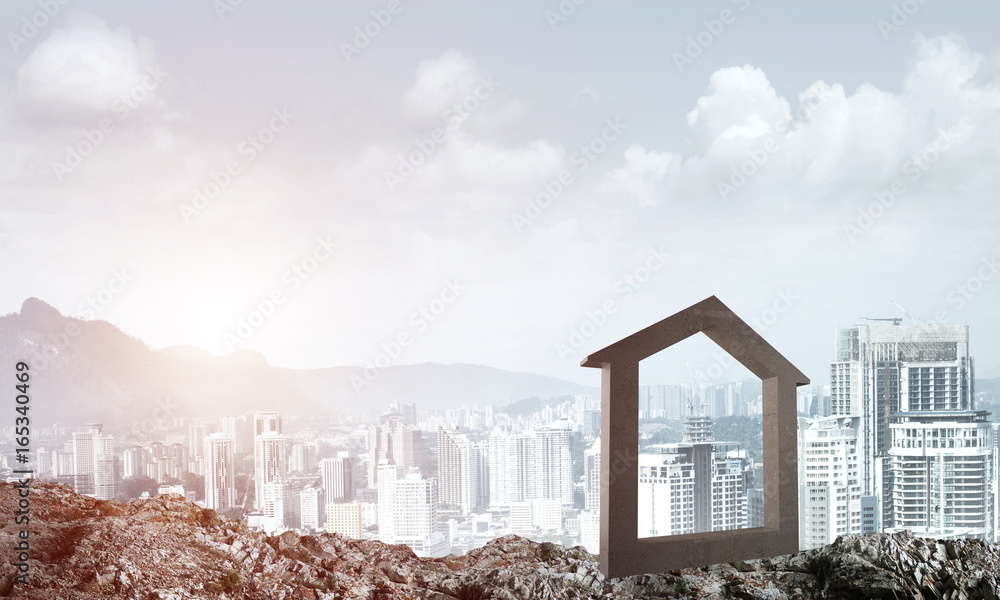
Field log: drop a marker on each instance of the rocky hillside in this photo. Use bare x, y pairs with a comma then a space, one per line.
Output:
167, 548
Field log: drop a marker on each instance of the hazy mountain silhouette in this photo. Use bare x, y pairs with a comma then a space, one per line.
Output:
92, 371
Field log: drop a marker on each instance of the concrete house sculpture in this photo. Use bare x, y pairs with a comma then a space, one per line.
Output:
623, 553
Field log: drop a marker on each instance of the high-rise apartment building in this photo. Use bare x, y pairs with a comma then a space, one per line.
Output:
531, 465
94, 463
220, 472
407, 511
270, 463
264, 422
830, 499
399, 443
338, 477
463, 477
312, 508
880, 373
941, 481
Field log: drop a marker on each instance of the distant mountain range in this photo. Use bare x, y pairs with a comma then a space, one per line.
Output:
92, 371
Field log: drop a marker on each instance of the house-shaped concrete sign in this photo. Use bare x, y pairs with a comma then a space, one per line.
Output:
623, 553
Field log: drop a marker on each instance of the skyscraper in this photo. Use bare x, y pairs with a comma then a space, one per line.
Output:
463, 479
830, 499
399, 443
220, 472
270, 463
264, 422
407, 511
940, 464
891, 373
94, 463
338, 477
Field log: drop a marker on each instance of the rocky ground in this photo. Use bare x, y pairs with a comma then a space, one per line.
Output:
167, 548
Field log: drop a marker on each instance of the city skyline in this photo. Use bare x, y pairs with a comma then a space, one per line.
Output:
319, 183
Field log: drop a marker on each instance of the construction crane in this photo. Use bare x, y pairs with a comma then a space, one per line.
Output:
895, 320
908, 313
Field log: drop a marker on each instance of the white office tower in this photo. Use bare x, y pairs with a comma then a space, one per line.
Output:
399, 443
830, 500
270, 463
407, 511
105, 475
220, 472
463, 479
995, 481
531, 465
94, 472
196, 439
312, 508
282, 504
940, 474
338, 477
692, 488
266, 421
882, 369
554, 462
590, 517
241, 429
345, 518
302, 459
83, 459
134, 459
43, 462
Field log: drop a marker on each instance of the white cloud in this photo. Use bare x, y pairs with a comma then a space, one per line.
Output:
84, 67
642, 174
833, 144
441, 83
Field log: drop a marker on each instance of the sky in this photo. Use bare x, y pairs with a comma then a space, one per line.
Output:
510, 184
